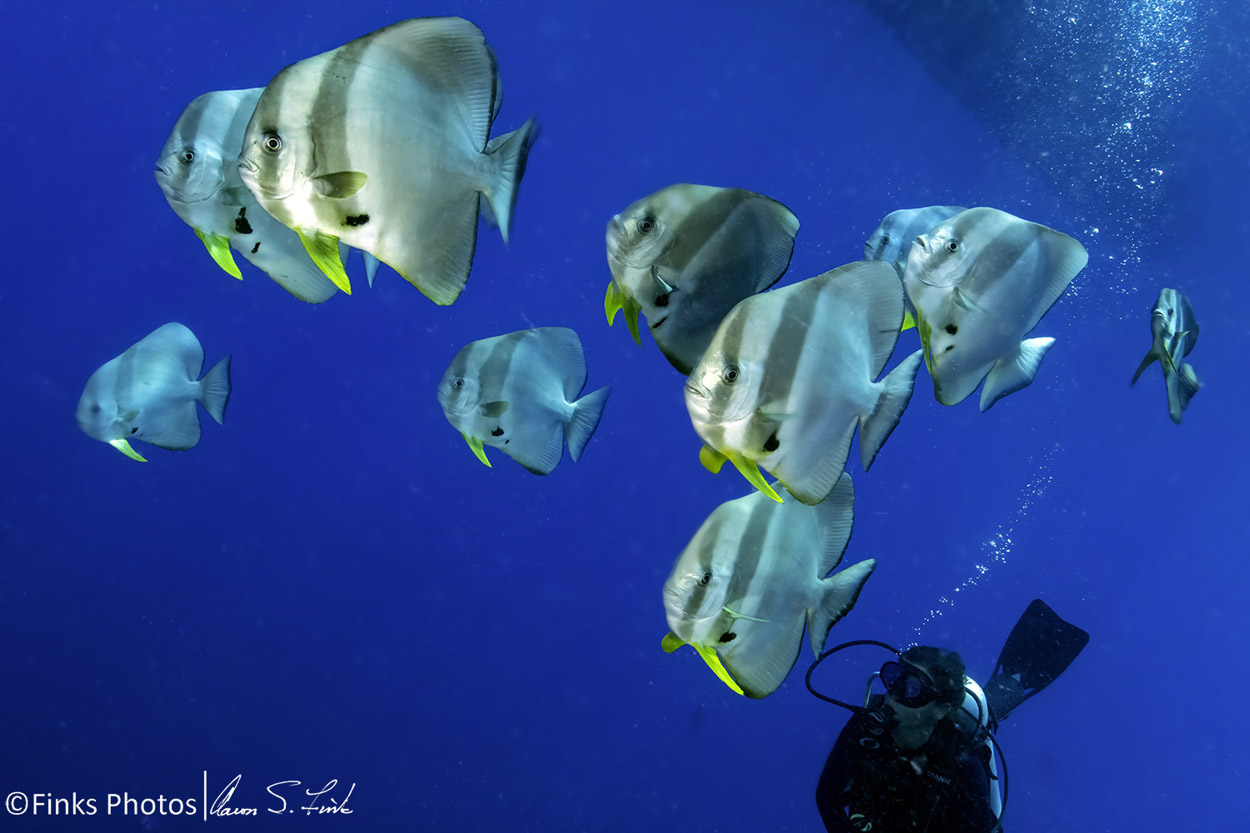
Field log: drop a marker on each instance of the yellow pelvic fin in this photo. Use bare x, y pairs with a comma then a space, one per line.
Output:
908, 322
925, 330
612, 302
219, 247
476, 445
752, 473
711, 459
616, 301
671, 642
124, 448
324, 250
713, 661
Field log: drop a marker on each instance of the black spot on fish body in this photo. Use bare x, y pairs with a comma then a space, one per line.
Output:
133, 430
256, 248
498, 432
772, 443
661, 300
356, 220
951, 329
241, 225
728, 636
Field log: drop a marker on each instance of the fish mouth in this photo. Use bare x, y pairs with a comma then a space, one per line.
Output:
696, 389
164, 170
923, 242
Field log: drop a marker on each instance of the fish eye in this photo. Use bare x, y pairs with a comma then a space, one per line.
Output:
952, 245
885, 238
188, 156
646, 225
458, 383
705, 578
95, 408
730, 374
273, 142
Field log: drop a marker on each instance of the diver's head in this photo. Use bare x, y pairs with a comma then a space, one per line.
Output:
922, 687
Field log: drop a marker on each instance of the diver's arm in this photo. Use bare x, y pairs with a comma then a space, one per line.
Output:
833, 780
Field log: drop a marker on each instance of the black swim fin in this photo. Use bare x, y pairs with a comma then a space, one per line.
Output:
1039, 648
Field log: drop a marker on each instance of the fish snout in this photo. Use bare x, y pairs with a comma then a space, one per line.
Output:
923, 242
697, 389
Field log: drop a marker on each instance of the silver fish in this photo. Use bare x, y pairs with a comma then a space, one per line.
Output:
198, 172
979, 283
891, 241
149, 393
519, 393
383, 143
789, 375
753, 574
1174, 331
686, 254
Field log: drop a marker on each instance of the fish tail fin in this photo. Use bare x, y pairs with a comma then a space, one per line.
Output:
587, 412
1145, 363
876, 428
215, 390
1010, 376
1182, 385
839, 593
510, 153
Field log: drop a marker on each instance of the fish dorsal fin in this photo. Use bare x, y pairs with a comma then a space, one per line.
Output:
836, 516
180, 344
873, 285
564, 349
448, 55
1066, 257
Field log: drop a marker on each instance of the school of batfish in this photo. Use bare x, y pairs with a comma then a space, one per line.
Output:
384, 145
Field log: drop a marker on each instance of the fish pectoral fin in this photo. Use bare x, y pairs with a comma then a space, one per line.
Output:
711, 459
124, 448
478, 449
237, 197
219, 247
340, 185
713, 661
324, 250
963, 301
663, 285
733, 614
493, 409
671, 642
773, 414
751, 472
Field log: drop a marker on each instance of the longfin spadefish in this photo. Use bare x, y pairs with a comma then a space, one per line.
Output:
478, 449
124, 448
219, 248
324, 250
713, 661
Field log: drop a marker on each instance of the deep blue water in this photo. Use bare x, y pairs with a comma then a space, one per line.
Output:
332, 587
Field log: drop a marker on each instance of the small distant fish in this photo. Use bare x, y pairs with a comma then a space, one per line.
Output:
790, 373
149, 393
979, 283
893, 239
383, 144
198, 172
519, 393
1175, 332
753, 574
685, 255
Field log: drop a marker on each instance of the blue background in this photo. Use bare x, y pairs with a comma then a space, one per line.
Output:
331, 586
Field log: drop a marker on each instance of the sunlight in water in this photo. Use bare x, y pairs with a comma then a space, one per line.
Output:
997, 548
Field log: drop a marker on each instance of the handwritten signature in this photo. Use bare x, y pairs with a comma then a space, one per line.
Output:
318, 803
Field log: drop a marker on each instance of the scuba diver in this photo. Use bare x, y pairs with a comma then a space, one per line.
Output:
920, 757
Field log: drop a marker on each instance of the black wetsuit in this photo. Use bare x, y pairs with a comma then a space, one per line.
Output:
869, 784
